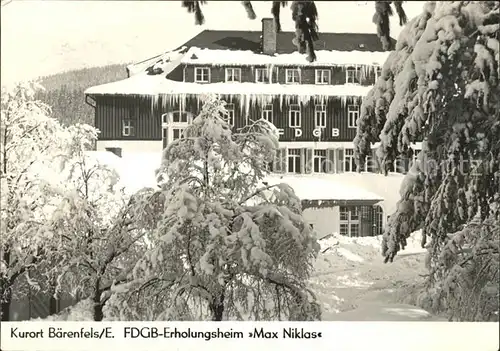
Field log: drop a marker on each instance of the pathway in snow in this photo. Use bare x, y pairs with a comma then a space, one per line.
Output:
353, 283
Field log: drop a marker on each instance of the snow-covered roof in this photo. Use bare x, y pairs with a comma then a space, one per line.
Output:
164, 63
201, 56
158, 85
312, 187
251, 40
136, 170
150, 77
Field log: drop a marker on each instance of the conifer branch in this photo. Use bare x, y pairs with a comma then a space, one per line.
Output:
249, 8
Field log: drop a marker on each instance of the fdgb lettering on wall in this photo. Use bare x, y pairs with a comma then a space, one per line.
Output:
317, 132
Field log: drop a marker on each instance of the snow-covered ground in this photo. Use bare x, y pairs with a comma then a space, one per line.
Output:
352, 282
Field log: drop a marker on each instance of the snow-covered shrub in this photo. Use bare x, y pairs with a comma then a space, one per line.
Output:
98, 231
441, 85
32, 147
223, 248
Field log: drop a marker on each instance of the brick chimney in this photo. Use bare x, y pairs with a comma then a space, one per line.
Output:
269, 38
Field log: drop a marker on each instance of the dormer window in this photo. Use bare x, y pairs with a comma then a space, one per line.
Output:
352, 75
233, 74
292, 76
202, 75
323, 76
261, 75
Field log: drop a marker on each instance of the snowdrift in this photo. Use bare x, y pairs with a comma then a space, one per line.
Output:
353, 284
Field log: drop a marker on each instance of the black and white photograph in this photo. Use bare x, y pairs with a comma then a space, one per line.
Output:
228, 161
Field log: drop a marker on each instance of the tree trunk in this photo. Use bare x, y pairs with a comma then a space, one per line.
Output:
217, 307
6, 296
52, 305
98, 314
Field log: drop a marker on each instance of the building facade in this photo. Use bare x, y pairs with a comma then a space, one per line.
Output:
314, 106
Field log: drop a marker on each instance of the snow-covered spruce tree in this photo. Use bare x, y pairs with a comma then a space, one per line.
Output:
225, 247
31, 146
440, 85
100, 231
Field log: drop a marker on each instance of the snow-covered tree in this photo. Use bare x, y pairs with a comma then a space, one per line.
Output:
440, 85
224, 247
32, 144
99, 231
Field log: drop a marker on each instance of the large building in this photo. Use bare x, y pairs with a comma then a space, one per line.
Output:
315, 107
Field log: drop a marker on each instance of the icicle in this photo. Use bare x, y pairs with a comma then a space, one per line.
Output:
241, 104
247, 104
164, 103
363, 72
343, 101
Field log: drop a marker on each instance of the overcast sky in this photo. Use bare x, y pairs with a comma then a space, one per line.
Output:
40, 37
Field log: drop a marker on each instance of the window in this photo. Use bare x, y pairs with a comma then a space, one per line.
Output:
294, 160
179, 117
352, 75
292, 76
128, 127
177, 133
323, 76
230, 112
319, 160
261, 75
202, 75
349, 161
320, 116
294, 116
349, 221
233, 74
352, 115
267, 113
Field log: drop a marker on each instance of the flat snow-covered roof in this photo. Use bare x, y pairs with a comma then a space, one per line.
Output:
199, 56
154, 85
312, 187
